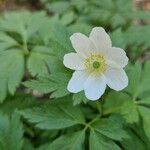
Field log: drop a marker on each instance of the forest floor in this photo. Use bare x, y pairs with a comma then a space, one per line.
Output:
36, 5
6, 5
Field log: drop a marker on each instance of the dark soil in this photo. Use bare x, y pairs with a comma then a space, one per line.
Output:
32, 5
143, 4
6, 5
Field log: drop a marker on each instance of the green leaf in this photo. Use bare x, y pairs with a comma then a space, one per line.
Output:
23, 23
138, 80
79, 98
6, 41
142, 14
138, 84
59, 35
99, 12
117, 37
56, 83
20, 41
98, 141
145, 81
118, 20
19, 101
123, 104
11, 132
12, 71
39, 60
28, 145
145, 113
112, 128
134, 33
144, 101
68, 18
55, 115
134, 73
80, 27
74, 141
133, 142
105, 130
129, 111
58, 7
27, 34
114, 101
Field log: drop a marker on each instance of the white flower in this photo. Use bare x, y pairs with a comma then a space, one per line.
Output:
96, 64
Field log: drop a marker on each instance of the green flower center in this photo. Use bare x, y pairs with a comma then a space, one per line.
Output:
96, 64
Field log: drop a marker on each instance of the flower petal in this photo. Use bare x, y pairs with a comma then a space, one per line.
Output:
94, 87
77, 81
82, 44
116, 78
116, 56
100, 38
74, 61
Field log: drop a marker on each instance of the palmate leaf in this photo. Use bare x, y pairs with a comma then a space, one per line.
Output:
121, 103
134, 72
135, 93
131, 37
28, 146
68, 18
106, 8
98, 12
103, 135
7, 41
53, 83
25, 44
39, 60
105, 132
25, 24
145, 114
139, 80
11, 132
133, 142
59, 36
17, 29
74, 141
58, 6
50, 55
118, 38
114, 101
135, 104
79, 98
12, 71
55, 115
113, 14
128, 108
129, 111
98, 141
81, 27
19, 101
134, 33
112, 128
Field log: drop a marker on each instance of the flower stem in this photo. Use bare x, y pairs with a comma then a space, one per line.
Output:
99, 107
88, 125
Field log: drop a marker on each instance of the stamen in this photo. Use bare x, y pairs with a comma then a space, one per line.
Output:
96, 63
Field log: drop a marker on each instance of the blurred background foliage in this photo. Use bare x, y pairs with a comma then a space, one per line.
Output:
34, 36
128, 20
